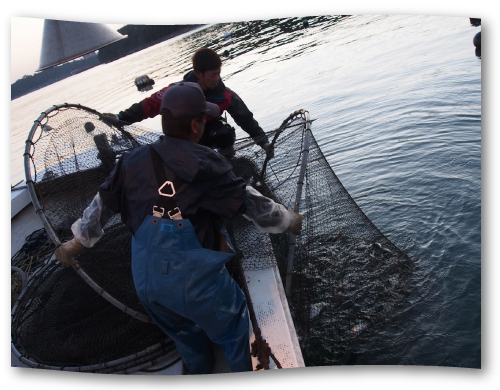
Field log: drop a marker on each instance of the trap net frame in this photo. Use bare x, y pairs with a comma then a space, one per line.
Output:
347, 275
71, 169
338, 251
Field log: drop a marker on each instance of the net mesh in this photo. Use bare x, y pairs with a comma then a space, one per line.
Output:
80, 328
60, 321
347, 275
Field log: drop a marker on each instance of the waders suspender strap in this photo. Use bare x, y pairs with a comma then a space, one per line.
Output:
166, 189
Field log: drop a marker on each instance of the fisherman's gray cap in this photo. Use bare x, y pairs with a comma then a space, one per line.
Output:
185, 100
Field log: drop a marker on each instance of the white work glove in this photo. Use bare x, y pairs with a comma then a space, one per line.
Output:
66, 251
295, 225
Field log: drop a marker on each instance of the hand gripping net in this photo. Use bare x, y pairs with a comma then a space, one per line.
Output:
346, 274
61, 320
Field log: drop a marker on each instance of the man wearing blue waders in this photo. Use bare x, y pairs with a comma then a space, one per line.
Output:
174, 195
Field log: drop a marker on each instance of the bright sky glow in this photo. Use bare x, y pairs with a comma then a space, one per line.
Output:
26, 45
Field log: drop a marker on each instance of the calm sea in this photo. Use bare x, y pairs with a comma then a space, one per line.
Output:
397, 108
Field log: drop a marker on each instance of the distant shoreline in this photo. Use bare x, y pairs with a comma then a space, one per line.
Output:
134, 43
176, 33
182, 30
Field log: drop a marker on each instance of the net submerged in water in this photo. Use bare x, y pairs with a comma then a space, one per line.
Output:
347, 275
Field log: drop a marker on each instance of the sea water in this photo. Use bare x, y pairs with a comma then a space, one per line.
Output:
397, 106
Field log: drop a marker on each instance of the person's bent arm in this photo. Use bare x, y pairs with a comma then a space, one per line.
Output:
244, 118
89, 228
86, 230
147, 108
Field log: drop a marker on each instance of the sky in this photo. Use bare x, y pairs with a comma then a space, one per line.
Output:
26, 43
21, 42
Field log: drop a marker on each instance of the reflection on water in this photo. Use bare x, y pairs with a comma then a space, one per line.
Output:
397, 107
262, 37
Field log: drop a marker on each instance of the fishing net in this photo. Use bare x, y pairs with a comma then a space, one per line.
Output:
37, 249
65, 319
345, 276
81, 331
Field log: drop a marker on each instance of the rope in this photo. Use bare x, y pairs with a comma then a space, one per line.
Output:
259, 348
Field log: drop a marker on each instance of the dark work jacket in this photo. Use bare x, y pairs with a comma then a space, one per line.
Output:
226, 99
211, 193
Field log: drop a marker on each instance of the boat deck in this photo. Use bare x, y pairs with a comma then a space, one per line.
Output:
265, 287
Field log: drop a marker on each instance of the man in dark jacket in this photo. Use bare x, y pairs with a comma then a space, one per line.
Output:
218, 133
173, 195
